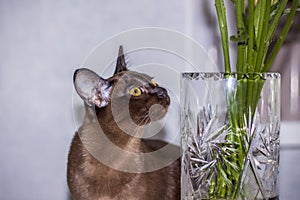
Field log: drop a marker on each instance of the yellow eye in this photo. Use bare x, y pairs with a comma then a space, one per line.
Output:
153, 83
135, 91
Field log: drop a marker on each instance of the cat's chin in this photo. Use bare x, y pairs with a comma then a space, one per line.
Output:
156, 113
158, 116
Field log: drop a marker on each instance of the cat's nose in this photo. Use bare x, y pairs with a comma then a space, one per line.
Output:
159, 92
162, 93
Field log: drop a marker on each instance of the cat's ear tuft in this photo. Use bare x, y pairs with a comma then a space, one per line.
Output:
121, 62
93, 89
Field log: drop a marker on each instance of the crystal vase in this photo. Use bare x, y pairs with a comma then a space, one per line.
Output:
230, 126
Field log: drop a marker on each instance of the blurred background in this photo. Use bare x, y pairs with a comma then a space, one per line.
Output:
43, 42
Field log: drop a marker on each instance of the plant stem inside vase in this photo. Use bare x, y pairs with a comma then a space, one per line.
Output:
241, 111
256, 24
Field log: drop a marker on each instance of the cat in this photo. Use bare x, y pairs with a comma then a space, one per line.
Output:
121, 107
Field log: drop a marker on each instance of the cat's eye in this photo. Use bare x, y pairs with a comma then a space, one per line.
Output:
153, 83
135, 91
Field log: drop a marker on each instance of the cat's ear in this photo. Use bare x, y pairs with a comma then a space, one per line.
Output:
121, 62
93, 89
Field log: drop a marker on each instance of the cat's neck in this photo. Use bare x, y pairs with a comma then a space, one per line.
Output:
121, 133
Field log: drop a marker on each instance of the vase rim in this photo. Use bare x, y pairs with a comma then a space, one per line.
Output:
228, 73
263, 75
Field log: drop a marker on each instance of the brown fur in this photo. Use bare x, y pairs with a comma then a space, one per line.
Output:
89, 179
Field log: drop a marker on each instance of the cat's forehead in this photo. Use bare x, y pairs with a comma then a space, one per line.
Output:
132, 76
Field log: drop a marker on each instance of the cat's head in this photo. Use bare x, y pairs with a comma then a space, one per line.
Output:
127, 93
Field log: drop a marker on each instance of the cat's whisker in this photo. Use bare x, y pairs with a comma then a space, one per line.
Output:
154, 114
139, 125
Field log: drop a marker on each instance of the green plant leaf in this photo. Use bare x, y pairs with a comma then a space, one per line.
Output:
274, 9
241, 38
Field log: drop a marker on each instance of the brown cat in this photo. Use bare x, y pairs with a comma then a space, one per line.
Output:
120, 107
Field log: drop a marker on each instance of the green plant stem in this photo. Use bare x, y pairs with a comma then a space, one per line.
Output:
282, 36
259, 15
262, 42
250, 49
275, 21
221, 13
254, 35
241, 32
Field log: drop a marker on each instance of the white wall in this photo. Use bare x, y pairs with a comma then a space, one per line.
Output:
41, 44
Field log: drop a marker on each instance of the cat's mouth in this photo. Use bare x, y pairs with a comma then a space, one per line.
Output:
160, 106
